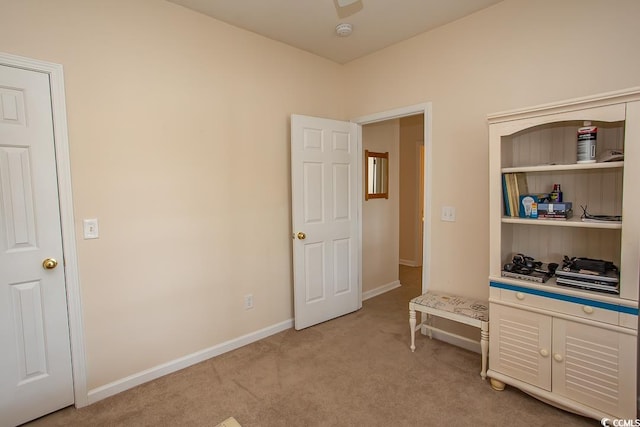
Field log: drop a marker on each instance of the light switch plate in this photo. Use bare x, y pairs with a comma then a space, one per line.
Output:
90, 228
448, 213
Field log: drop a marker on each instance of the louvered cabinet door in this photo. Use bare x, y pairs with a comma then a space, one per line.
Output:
520, 345
595, 366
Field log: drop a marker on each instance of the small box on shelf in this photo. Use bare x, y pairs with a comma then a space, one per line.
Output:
529, 206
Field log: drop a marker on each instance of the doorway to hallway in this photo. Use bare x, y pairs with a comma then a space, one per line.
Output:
392, 229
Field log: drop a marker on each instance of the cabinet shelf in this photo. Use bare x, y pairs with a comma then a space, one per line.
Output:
573, 222
552, 287
561, 168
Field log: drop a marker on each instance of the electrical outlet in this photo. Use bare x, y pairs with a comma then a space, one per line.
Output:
90, 228
248, 302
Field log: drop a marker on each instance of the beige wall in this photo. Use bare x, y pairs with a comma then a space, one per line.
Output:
180, 147
411, 190
514, 54
380, 230
179, 139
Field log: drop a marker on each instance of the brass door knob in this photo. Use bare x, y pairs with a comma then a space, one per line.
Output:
49, 263
301, 235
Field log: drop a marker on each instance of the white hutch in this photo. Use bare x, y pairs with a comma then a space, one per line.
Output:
573, 348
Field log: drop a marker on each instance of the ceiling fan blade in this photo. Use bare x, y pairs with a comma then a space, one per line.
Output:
345, 8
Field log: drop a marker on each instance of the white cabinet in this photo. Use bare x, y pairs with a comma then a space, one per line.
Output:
590, 366
573, 348
520, 345
573, 363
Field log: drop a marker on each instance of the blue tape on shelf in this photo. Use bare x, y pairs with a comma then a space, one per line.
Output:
561, 297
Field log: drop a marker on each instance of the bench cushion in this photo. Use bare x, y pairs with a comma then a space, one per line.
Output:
454, 304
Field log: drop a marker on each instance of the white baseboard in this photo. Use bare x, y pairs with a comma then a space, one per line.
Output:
380, 290
147, 375
409, 263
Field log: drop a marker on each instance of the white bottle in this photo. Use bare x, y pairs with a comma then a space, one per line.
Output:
587, 136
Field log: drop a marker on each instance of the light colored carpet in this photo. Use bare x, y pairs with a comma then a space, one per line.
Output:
356, 370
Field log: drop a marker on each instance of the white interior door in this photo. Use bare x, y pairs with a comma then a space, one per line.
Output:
324, 181
35, 356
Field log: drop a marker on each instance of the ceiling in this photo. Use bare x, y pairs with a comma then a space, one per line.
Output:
310, 24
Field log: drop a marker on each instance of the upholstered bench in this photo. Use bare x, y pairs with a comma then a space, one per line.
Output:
452, 307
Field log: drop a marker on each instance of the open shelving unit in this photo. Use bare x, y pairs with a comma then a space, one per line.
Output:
545, 338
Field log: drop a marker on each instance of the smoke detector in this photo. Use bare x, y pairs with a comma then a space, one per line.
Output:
344, 30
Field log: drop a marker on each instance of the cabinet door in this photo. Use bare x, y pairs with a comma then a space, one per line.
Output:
595, 366
520, 345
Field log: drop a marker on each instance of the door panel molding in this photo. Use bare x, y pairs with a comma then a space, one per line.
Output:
63, 167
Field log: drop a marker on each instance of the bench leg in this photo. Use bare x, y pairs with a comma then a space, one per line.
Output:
430, 323
412, 324
484, 346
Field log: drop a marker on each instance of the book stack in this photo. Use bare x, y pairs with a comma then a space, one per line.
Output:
608, 282
513, 186
558, 211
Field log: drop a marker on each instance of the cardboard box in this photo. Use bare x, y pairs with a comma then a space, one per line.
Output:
537, 199
528, 206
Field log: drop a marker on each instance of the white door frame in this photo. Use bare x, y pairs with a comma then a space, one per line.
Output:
67, 223
425, 109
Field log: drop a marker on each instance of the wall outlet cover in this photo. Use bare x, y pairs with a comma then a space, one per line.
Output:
90, 228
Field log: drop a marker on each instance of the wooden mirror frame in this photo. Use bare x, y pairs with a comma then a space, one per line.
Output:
382, 176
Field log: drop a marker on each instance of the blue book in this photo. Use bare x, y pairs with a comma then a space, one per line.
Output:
505, 195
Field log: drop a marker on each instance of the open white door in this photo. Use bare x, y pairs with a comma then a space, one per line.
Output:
35, 354
324, 181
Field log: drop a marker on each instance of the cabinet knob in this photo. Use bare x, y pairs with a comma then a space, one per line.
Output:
587, 309
544, 352
520, 296
558, 357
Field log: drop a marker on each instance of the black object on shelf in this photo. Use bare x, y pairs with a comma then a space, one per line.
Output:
587, 217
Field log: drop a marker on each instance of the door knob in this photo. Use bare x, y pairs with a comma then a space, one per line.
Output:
301, 235
49, 263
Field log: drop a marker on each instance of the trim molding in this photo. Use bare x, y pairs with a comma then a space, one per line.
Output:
409, 262
63, 168
424, 108
380, 290
156, 372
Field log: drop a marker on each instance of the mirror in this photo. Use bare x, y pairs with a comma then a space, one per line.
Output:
376, 173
